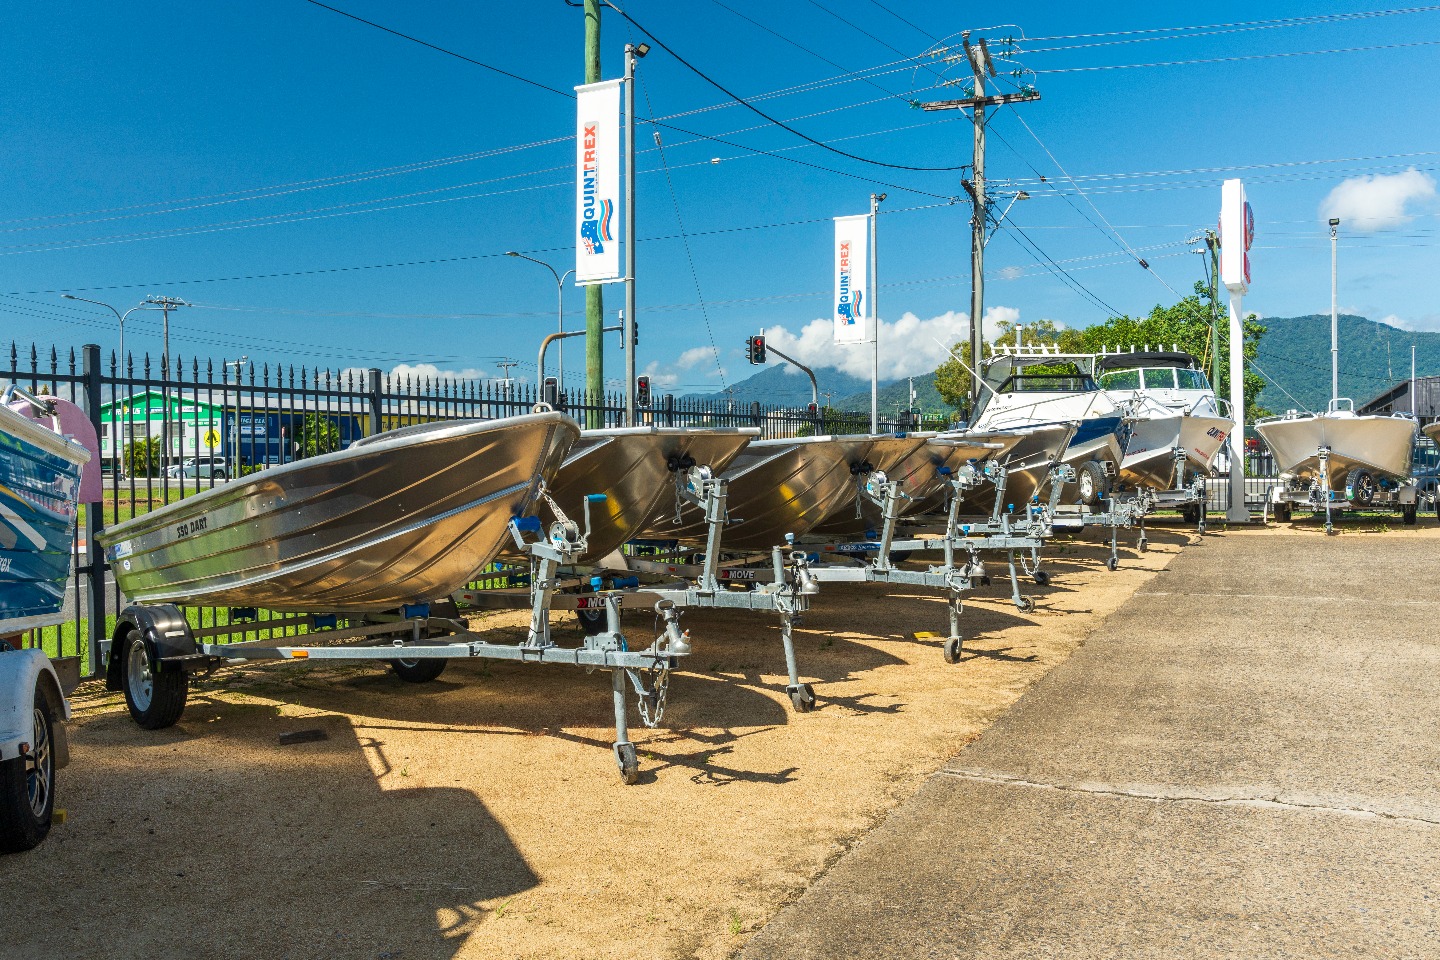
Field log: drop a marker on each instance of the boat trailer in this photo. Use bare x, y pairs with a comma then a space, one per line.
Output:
155, 649
1363, 489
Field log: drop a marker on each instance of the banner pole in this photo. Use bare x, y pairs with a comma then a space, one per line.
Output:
874, 286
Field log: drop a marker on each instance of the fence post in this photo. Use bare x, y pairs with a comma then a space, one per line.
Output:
94, 515
669, 409
377, 402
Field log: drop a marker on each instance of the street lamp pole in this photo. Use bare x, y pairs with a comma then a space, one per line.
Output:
559, 306
118, 316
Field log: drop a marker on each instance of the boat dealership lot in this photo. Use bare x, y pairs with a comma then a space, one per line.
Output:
1219, 761
1238, 763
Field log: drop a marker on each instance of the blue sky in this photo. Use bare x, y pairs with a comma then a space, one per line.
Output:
171, 148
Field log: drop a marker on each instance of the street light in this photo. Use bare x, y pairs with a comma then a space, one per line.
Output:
559, 308
118, 315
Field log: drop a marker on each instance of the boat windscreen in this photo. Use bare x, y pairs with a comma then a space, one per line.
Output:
1192, 380
1048, 383
1159, 378
1121, 380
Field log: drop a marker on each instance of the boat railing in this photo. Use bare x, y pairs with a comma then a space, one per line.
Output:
1340, 405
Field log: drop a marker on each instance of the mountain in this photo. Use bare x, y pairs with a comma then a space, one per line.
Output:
1294, 356
894, 396
777, 384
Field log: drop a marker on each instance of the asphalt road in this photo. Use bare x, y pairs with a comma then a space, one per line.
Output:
1239, 763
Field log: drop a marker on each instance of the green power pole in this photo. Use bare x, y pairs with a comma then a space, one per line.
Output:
594, 294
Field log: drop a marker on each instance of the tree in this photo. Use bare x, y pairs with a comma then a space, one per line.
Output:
1187, 326
953, 380
318, 434
142, 457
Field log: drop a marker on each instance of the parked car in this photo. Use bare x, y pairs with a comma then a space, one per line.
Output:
207, 466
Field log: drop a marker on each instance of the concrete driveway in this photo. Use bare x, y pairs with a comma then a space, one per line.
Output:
1241, 762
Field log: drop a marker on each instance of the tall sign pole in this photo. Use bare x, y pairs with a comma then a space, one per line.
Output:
1237, 232
977, 55
1334, 314
594, 295
632, 53
873, 282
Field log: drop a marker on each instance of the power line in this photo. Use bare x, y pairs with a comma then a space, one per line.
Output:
907, 23
1238, 59
439, 49
1181, 31
761, 113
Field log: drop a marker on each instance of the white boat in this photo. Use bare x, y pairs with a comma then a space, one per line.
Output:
1358, 451
1040, 386
1171, 405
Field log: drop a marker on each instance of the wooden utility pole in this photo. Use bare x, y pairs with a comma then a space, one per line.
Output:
594, 296
978, 57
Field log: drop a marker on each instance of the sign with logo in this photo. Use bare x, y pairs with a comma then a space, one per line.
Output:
597, 182
852, 290
253, 425
1237, 232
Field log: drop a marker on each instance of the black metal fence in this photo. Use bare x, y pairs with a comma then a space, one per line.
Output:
169, 430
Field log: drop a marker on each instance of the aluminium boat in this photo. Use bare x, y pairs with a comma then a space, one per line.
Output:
634, 468
1170, 405
1432, 430
923, 476
403, 517
1032, 452
1354, 446
40, 483
790, 486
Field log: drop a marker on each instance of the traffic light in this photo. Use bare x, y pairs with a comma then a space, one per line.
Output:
812, 409
550, 393
756, 349
642, 391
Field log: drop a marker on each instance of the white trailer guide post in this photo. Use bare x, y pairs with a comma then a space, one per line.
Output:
1237, 232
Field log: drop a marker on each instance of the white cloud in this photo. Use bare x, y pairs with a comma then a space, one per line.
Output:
1370, 203
662, 381
695, 355
429, 371
1011, 273
908, 346
1394, 321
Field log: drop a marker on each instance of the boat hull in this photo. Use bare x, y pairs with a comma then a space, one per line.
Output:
779, 487
1036, 449
631, 467
39, 490
403, 517
1149, 454
1385, 445
1432, 431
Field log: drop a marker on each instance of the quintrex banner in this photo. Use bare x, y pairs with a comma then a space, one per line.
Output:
597, 182
852, 290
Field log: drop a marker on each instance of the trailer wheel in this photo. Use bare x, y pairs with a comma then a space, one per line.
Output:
156, 699
1091, 482
1190, 513
1112, 564
802, 697
591, 620
418, 671
1360, 486
1283, 513
953, 649
1041, 578
27, 783
628, 762
1409, 513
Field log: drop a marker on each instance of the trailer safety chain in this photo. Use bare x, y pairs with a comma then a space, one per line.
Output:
659, 692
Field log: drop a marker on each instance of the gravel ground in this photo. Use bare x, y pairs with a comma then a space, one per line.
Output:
481, 815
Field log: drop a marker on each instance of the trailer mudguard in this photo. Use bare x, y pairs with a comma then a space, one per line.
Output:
165, 631
21, 673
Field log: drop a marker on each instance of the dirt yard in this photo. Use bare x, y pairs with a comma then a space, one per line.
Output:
482, 816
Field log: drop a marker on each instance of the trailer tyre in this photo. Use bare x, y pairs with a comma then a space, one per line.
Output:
1041, 578
953, 650
27, 783
1360, 485
155, 698
591, 620
1283, 513
1112, 564
1190, 513
418, 671
1409, 513
1091, 482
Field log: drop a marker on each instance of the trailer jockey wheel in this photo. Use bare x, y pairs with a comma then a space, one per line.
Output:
802, 697
1283, 513
629, 762
1112, 564
1190, 513
952, 650
1025, 604
1409, 513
